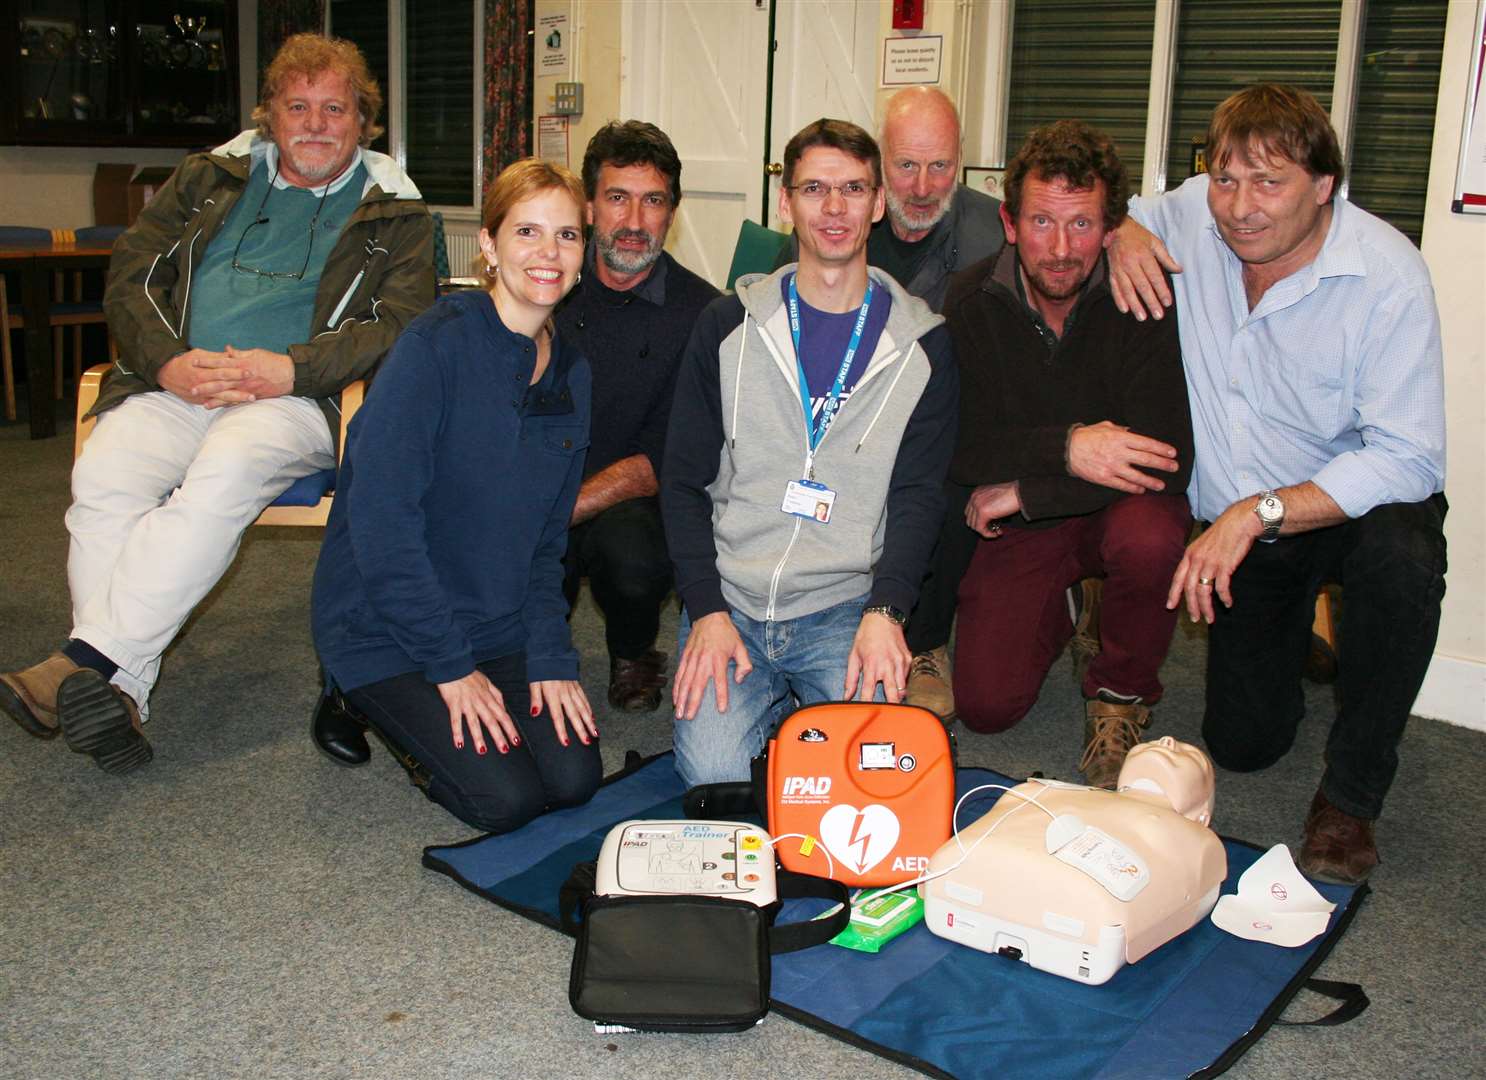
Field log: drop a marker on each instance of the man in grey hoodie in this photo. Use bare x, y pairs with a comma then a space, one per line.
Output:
814, 418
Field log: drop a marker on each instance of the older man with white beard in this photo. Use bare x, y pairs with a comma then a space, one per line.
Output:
631, 315
263, 278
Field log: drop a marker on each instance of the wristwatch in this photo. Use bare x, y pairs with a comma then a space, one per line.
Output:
896, 614
1270, 510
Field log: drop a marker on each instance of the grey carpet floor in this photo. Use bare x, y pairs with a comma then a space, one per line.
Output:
244, 908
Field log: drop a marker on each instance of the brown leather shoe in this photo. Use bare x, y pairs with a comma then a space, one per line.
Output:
1338, 847
30, 696
635, 685
931, 683
1084, 600
102, 721
1110, 729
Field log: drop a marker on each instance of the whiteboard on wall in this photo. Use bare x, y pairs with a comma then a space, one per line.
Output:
1470, 177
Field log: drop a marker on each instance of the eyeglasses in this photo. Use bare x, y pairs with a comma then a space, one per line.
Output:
259, 219
817, 190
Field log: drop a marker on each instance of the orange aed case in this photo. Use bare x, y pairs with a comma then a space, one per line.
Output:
873, 783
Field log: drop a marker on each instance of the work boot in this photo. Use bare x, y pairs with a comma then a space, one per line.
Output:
931, 683
1338, 847
1083, 608
635, 685
100, 720
30, 696
1111, 727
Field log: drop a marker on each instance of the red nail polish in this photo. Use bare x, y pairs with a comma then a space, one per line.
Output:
535, 710
459, 744
503, 750
564, 742
515, 741
481, 749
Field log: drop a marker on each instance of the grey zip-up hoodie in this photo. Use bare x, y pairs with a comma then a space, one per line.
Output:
737, 438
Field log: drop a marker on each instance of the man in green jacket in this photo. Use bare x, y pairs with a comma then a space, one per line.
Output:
263, 278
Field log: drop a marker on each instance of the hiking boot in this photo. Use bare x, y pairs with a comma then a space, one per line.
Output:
1338, 847
1111, 728
30, 696
1083, 609
931, 683
635, 685
102, 721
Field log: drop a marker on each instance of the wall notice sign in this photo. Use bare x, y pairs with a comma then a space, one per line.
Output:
552, 139
912, 61
553, 44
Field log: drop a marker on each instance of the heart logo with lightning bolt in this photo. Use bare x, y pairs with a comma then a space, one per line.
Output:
861, 838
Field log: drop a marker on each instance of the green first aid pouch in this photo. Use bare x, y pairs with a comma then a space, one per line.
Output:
878, 916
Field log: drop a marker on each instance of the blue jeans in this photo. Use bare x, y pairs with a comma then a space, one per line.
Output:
800, 660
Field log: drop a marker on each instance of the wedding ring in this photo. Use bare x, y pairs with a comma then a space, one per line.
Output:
995, 529
1205, 581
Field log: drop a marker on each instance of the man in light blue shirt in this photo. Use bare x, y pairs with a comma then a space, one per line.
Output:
1311, 343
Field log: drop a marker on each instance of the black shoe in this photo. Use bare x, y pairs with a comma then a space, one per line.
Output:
338, 732
101, 721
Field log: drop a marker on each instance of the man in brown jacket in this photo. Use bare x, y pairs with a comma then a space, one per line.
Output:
263, 278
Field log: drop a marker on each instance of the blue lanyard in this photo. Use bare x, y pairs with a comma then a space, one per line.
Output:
816, 429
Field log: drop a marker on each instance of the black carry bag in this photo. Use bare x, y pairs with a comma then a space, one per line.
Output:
683, 962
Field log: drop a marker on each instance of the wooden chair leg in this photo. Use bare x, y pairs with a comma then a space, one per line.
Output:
1322, 661
6, 360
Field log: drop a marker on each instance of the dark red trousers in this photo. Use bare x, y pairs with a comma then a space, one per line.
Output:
1014, 612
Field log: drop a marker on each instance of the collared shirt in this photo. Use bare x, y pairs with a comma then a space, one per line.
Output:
1097, 276
633, 340
1336, 376
270, 156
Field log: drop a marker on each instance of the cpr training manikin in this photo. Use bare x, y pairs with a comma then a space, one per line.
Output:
1079, 881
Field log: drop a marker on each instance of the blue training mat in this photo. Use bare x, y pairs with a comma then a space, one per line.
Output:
1191, 1008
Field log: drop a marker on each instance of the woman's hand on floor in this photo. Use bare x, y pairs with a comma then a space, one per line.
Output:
569, 707
475, 701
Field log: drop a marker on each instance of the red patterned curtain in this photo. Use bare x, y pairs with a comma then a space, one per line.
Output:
507, 94
279, 20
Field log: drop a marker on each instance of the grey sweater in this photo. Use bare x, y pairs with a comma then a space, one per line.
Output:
737, 439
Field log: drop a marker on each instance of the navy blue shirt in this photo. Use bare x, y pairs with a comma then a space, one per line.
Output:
445, 541
824, 336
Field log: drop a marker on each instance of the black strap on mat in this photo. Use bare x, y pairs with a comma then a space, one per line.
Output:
1353, 1002
783, 937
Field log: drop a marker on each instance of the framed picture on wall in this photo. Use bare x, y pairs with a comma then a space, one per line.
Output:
982, 179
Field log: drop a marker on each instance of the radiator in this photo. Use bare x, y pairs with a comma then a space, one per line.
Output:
464, 249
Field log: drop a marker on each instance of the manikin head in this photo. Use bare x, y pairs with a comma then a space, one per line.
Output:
1176, 772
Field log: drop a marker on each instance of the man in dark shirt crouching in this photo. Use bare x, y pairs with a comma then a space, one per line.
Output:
631, 315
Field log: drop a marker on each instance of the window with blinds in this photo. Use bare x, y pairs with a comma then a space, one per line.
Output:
434, 68
439, 50
1224, 45
1397, 82
1087, 60
365, 25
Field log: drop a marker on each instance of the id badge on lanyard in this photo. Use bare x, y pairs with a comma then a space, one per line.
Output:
807, 498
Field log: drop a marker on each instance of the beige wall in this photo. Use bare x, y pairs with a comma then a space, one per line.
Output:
1455, 248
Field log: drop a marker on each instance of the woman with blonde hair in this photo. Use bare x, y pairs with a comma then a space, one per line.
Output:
438, 609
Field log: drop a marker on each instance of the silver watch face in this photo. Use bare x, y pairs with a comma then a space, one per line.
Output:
1270, 509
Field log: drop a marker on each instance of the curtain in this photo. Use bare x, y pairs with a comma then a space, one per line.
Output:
507, 89
278, 20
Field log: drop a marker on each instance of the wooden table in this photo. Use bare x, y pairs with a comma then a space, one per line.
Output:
34, 264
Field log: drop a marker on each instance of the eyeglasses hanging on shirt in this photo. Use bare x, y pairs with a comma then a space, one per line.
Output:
259, 219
